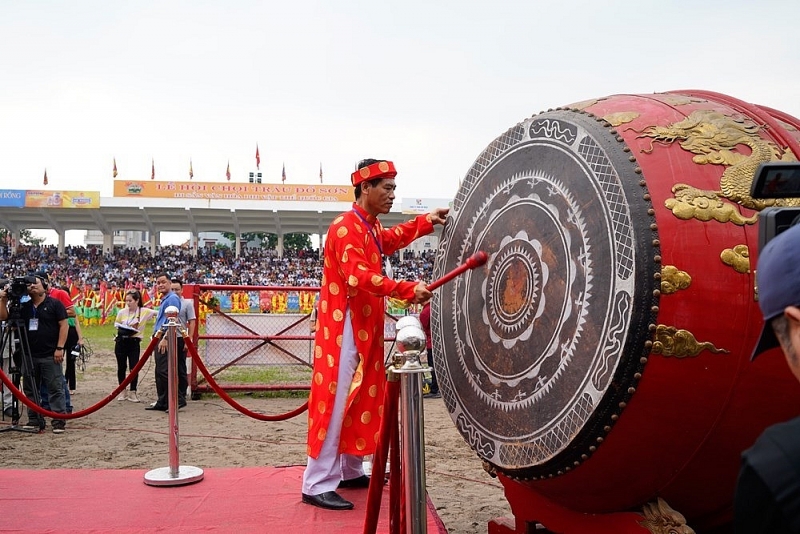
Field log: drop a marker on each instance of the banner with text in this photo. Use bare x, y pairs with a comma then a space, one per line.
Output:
62, 199
235, 191
12, 198
419, 206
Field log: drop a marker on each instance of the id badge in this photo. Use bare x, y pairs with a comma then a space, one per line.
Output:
33, 324
389, 271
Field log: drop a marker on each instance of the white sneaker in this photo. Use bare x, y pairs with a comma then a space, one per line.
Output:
123, 396
132, 397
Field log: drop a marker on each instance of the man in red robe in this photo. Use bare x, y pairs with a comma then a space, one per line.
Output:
346, 400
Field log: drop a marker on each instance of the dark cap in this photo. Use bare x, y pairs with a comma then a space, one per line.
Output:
778, 281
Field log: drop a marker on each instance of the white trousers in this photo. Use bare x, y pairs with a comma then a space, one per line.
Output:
324, 473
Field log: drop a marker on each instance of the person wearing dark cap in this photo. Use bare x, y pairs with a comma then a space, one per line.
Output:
46, 322
768, 490
345, 404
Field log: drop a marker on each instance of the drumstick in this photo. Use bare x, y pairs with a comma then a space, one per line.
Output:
476, 260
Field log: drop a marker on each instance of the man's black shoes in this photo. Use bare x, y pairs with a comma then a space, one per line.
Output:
359, 482
330, 500
156, 407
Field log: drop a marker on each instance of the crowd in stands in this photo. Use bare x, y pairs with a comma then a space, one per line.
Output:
138, 267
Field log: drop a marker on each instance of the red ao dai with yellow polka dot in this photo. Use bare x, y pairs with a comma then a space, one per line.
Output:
352, 276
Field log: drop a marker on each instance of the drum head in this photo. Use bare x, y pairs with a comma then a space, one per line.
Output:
542, 347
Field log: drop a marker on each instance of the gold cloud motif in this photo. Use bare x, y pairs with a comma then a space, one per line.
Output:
674, 280
738, 257
621, 117
678, 343
692, 203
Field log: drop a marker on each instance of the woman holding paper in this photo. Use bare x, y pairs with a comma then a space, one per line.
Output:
130, 327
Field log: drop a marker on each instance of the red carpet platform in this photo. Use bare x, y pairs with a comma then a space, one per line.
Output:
240, 500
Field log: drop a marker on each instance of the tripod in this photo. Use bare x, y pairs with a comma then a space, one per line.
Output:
14, 345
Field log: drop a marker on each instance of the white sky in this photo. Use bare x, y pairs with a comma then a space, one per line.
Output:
427, 84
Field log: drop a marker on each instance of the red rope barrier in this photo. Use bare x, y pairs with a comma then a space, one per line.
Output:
397, 521
227, 398
375, 491
91, 409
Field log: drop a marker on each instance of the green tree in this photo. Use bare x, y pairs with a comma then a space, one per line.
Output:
295, 241
26, 237
248, 236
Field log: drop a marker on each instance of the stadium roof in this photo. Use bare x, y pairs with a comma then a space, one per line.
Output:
187, 215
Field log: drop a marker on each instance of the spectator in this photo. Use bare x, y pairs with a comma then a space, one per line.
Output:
168, 298
425, 319
130, 323
188, 320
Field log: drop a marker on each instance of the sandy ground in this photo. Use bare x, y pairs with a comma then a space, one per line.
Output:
212, 434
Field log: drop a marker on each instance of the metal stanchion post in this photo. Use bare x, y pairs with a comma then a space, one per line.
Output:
410, 344
175, 474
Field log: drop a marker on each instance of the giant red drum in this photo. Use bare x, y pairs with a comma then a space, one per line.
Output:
601, 356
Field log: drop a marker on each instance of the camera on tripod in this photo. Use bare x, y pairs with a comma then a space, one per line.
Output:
776, 180
16, 288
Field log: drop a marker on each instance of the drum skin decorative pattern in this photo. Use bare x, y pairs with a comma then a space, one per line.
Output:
601, 356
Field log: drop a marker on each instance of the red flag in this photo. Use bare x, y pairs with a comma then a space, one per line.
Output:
258, 159
320, 173
45, 177
115, 168
228, 172
153, 170
191, 172
283, 174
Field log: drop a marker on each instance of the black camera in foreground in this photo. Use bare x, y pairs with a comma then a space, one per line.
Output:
776, 180
16, 288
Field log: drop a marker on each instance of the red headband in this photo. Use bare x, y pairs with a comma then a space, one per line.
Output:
382, 169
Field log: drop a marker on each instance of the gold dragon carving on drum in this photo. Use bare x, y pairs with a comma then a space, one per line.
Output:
714, 137
661, 518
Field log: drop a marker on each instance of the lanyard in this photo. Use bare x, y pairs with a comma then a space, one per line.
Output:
388, 265
130, 318
369, 229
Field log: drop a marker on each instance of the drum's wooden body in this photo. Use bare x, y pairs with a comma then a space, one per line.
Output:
601, 357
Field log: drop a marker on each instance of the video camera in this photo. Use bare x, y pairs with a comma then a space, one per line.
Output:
776, 180
16, 288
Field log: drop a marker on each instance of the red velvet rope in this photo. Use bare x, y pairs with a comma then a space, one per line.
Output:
397, 519
91, 409
153, 342
390, 396
227, 398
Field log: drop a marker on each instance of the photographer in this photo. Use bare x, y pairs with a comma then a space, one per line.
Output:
45, 321
768, 489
